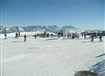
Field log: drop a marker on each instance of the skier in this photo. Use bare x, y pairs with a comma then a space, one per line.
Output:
84, 35
51, 35
25, 38
16, 35
59, 35
73, 36
100, 37
47, 35
92, 37
5, 34
35, 36
19, 33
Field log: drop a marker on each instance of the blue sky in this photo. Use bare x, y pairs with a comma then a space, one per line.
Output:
85, 14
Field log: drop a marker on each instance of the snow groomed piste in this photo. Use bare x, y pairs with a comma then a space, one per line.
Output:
51, 56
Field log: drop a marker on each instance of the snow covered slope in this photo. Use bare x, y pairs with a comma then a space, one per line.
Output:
50, 56
12, 35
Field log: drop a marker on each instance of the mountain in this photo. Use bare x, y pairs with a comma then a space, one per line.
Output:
11, 29
52, 28
68, 29
38, 28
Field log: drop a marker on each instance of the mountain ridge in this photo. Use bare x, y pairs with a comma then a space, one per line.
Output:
32, 28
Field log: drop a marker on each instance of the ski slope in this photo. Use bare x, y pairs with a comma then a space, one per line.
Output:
50, 56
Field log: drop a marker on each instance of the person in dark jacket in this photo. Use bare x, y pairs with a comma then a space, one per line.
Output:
25, 38
84, 35
35, 36
100, 37
16, 35
19, 33
59, 35
5, 34
92, 37
52, 35
73, 35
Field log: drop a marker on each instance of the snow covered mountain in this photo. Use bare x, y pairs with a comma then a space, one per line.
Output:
38, 28
52, 28
11, 29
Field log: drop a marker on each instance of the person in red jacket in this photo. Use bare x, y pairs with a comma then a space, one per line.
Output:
25, 38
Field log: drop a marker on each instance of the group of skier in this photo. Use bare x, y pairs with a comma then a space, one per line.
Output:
93, 36
69, 35
17, 34
72, 35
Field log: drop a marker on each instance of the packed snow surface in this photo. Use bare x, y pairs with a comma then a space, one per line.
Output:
50, 56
